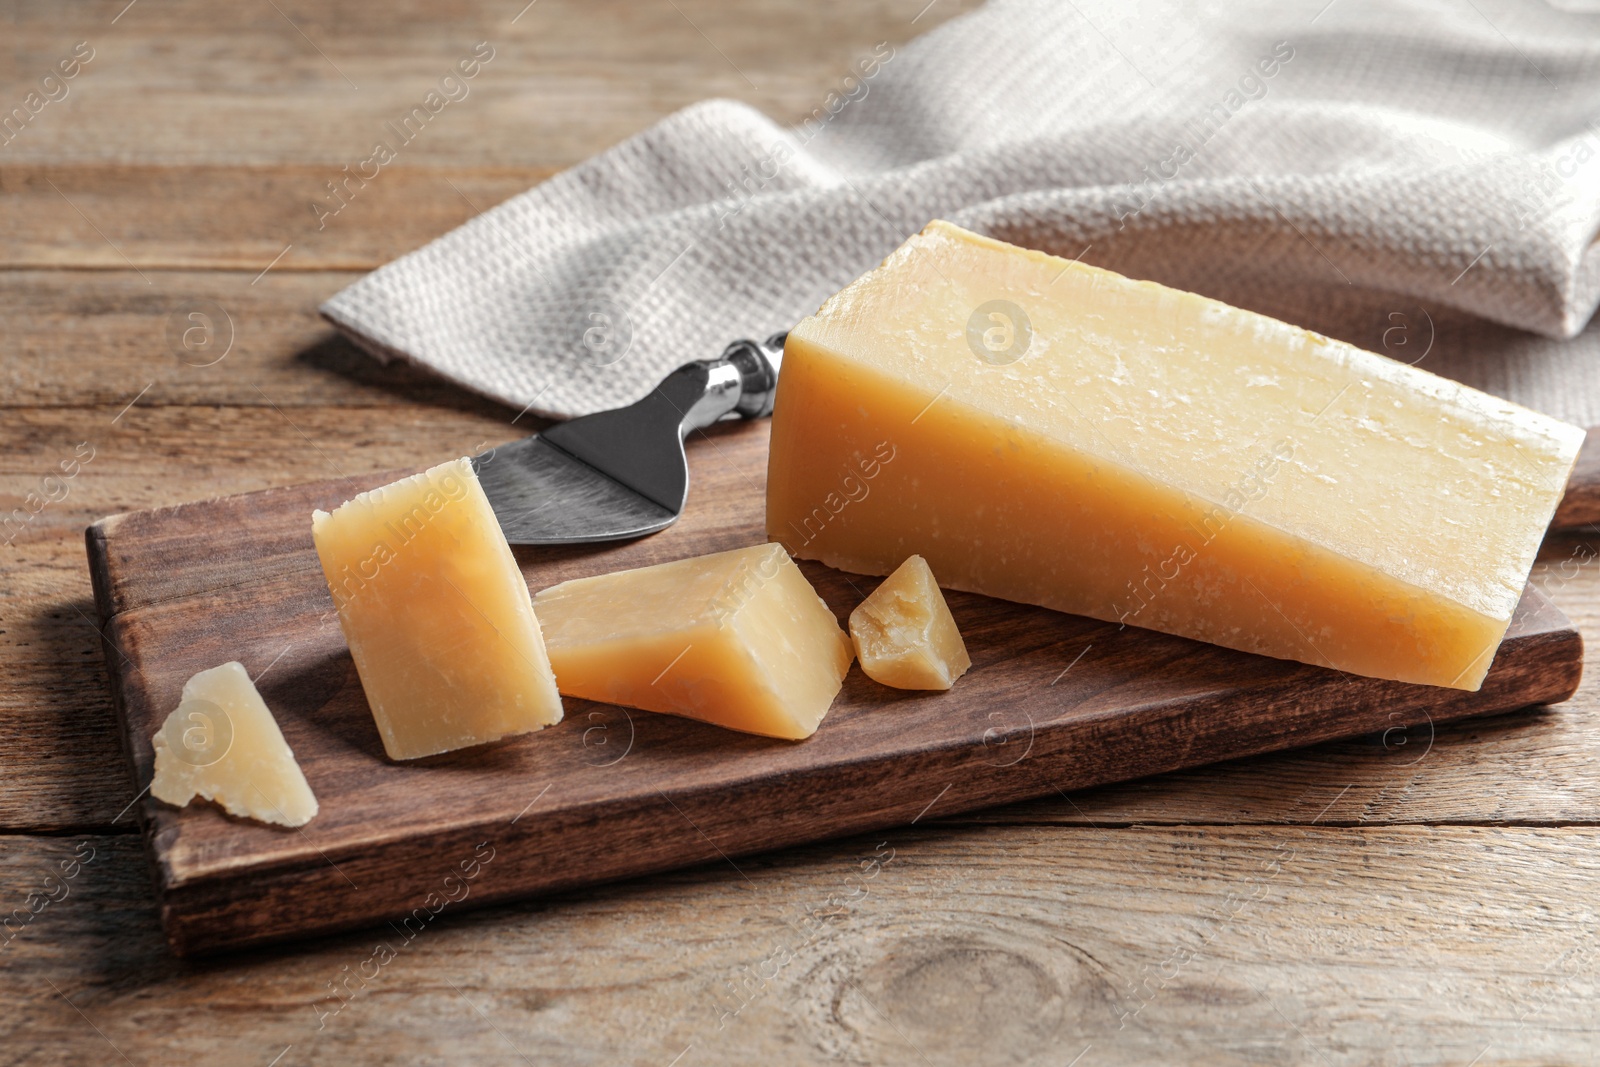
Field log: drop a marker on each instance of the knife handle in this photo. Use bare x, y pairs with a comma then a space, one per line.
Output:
742, 381
757, 363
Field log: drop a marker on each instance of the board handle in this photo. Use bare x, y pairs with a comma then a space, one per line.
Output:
1581, 504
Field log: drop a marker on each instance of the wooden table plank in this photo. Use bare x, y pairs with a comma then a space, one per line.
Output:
160, 217
78, 338
1020, 945
62, 765
187, 81
152, 454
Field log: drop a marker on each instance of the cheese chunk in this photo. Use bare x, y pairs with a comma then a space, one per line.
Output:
437, 616
904, 633
739, 639
1048, 432
222, 743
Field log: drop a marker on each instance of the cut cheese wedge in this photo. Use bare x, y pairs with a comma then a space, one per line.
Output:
221, 743
904, 634
1048, 432
739, 639
437, 616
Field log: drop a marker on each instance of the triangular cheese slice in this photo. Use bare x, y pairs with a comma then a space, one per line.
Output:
222, 743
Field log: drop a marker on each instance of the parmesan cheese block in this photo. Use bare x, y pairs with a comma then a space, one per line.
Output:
739, 639
1048, 432
221, 743
437, 616
904, 634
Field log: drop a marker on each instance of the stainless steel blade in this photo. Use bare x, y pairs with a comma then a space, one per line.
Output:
623, 473
542, 496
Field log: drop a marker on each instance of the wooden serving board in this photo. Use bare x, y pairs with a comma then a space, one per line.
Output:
1053, 702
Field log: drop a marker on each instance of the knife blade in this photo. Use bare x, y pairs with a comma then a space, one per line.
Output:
623, 473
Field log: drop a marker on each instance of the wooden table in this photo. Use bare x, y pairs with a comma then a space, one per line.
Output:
1397, 899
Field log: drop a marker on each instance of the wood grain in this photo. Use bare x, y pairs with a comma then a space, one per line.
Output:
1053, 703
971, 946
57, 729
234, 218
80, 338
190, 82
153, 454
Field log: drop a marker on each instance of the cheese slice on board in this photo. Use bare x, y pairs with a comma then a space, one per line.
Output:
739, 639
222, 743
437, 616
1052, 433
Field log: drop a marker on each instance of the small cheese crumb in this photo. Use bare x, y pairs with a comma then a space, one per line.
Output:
904, 633
221, 743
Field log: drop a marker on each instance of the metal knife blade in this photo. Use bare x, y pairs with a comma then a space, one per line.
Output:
623, 473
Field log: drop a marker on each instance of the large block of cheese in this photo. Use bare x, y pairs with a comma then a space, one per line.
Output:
222, 743
1048, 432
436, 613
739, 639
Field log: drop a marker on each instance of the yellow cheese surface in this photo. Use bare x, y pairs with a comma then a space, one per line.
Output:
904, 634
222, 743
1049, 432
436, 614
739, 639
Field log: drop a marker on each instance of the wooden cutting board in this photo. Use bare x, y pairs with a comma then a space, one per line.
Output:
1053, 702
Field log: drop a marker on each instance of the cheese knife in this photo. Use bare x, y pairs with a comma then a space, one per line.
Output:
623, 473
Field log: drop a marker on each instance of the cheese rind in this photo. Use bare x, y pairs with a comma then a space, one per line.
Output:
739, 639
1160, 459
222, 743
437, 616
904, 634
